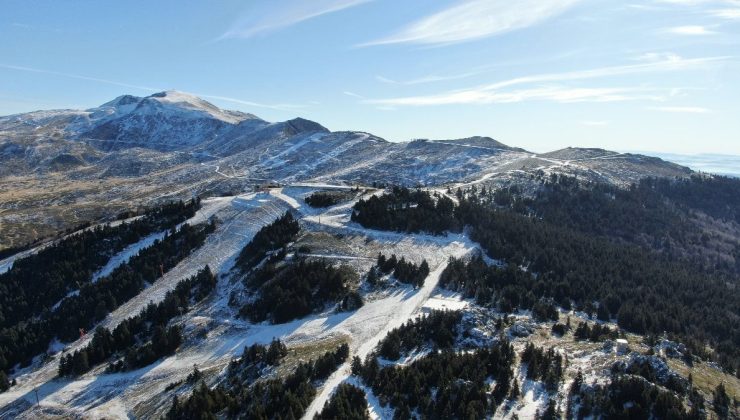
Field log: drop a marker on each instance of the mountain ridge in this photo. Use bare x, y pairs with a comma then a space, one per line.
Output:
60, 168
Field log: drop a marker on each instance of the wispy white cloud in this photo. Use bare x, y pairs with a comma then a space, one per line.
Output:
475, 19
79, 77
672, 63
266, 16
352, 94
681, 109
428, 79
277, 107
723, 9
483, 69
692, 30
282, 107
558, 93
686, 2
655, 57
730, 14
501, 92
700, 2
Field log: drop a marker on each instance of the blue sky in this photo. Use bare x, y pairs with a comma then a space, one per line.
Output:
661, 75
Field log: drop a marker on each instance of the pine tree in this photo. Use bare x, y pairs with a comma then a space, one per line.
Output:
573, 392
602, 313
372, 276
552, 412
721, 401
276, 352
356, 365
173, 413
80, 362
4, 383
514, 394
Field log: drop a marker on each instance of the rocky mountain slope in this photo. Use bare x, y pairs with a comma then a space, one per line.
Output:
59, 168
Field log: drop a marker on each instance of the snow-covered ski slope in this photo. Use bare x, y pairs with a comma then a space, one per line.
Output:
238, 225
214, 334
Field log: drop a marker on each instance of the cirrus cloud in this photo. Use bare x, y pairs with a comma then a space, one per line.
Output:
551, 86
681, 109
691, 30
475, 19
263, 17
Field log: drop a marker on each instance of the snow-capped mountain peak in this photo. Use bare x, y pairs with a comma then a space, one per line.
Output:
189, 105
165, 120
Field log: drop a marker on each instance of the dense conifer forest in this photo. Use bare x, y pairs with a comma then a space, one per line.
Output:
627, 397
272, 237
594, 333
347, 403
20, 342
406, 210
404, 271
294, 289
647, 292
445, 384
321, 199
145, 337
659, 214
543, 365
35, 283
9, 252
438, 330
287, 289
274, 398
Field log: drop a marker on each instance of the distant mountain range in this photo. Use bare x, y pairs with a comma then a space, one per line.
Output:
61, 167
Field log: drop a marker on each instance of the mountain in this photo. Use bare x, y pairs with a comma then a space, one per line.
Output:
481, 142
63, 167
164, 121
256, 269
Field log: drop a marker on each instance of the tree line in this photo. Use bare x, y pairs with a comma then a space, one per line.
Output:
322, 199
625, 396
443, 385
271, 237
347, 403
163, 212
294, 289
546, 366
404, 271
143, 338
22, 341
509, 288
35, 283
254, 362
405, 210
595, 333
438, 330
274, 398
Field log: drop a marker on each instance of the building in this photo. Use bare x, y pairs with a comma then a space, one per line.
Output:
622, 346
